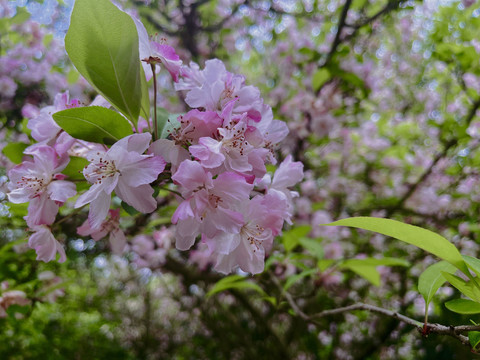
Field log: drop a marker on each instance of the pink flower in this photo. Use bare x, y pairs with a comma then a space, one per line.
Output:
124, 169
45, 245
40, 183
246, 249
207, 205
193, 126
214, 87
287, 175
110, 226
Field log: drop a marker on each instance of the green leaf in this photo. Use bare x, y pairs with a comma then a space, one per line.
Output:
386, 261
129, 209
75, 167
467, 288
320, 77
324, 264
14, 151
431, 280
367, 268
474, 338
422, 238
234, 282
313, 246
463, 306
102, 43
291, 238
93, 123
472, 263
294, 278
162, 118
368, 272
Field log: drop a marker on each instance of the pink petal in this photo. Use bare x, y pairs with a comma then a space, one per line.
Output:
99, 209
144, 171
139, 197
41, 211
117, 241
61, 190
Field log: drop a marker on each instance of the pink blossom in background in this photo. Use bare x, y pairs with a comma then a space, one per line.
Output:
110, 227
12, 297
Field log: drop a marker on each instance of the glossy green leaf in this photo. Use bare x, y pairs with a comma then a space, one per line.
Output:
14, 151
102, 43
422, 238
463, 306
474, 338
234, 282
431, 279
467, 288
93, 123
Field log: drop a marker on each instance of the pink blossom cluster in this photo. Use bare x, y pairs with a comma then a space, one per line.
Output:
218, 156
217, 153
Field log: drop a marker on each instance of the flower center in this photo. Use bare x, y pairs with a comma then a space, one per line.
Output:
254, 234
34, 185
99, 170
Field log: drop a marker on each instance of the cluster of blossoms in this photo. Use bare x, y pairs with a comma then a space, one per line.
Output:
217, 153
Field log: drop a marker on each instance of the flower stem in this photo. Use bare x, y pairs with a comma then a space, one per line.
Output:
155, 127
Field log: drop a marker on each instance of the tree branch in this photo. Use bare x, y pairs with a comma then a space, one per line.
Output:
424, 329
341, 24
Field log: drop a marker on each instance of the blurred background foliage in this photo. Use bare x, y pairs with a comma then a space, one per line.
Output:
382, 100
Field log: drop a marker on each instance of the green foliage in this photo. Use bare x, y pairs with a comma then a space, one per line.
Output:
75, 167
432, 279
463, 306
470, 288
291, 238
237, 282
102, 43
93, 123
367, 268
422, 238
320, 77
14, 151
